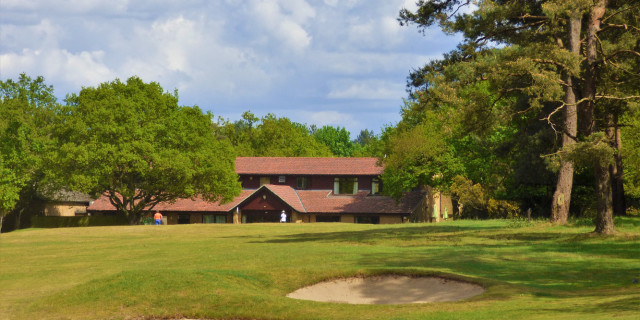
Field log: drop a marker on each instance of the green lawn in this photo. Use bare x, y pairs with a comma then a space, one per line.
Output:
531, 271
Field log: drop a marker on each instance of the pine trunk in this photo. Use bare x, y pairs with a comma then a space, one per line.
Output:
562, 195
18, 218
617, 183
604, 218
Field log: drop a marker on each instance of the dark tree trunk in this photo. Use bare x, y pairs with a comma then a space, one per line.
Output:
617, 183
562, 194
18, 218
2, 213
604, 219
587, 122
133, 219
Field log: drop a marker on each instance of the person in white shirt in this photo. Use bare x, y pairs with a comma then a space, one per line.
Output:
283, 217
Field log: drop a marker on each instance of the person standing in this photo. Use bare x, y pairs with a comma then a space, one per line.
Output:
158, 218
283, 217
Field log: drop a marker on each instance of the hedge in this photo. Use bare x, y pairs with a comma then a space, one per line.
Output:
85, 221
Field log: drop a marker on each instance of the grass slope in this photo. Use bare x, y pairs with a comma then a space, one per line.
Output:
532, 271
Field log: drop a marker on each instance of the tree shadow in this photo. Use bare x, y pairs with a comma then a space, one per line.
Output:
402, 234
547, 273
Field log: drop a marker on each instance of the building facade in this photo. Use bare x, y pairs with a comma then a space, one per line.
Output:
307, 189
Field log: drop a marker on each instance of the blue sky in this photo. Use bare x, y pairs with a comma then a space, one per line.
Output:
323, 62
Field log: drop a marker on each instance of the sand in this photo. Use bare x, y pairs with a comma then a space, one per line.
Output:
391, 289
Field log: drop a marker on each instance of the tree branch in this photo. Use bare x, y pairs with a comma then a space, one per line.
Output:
623, 51
116, 201
524, 26
618, 26
618, 98
619, 11
555, 63
457, 9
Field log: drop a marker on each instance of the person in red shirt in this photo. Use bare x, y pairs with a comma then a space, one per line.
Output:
158, 218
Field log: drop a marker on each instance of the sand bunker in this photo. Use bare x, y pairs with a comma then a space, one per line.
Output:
388, 290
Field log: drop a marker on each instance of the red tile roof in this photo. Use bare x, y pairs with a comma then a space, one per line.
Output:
305, 201
325, 202
185, 205
288, 195
308, 166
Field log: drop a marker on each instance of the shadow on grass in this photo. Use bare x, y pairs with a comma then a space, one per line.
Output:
619, 303
547, 274
623, 304
377, 234
544, 261
571, 243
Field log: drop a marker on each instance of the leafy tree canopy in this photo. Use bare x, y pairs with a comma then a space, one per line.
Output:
270, 136
524, 60
337, 139
26, 107
132, 142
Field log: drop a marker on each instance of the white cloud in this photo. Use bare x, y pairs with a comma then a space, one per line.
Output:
375, 64
379, 33
79, 69
299, 10
324, 62
284, 22
43, 34
366, 90
331, 3
410, 5
67, 6
189, 54
328, 118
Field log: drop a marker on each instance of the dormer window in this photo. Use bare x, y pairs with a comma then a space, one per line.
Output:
345, 185
302, 182
375, 186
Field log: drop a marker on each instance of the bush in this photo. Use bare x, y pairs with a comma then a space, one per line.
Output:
479, 204
86, 221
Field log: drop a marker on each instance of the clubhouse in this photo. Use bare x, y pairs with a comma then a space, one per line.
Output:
307, 189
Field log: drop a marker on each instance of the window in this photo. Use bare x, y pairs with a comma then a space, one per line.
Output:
368, 219
303, 182
211, 218
265, 180
282, 179
345, 185
184, 219
375, 186
322, 218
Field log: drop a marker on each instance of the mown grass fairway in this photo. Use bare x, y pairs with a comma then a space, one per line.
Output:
531, 271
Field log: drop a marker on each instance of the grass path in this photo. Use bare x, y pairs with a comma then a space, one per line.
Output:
532, 271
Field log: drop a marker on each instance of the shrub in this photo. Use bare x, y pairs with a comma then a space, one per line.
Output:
478, 203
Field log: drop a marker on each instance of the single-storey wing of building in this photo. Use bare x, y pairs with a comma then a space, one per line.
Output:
306, 189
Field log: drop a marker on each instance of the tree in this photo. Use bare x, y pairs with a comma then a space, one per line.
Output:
281, 137
26, 108
367, 144
540, 59
365, 137
270, 136
337, 139
456, 128
134, 144
631, 152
